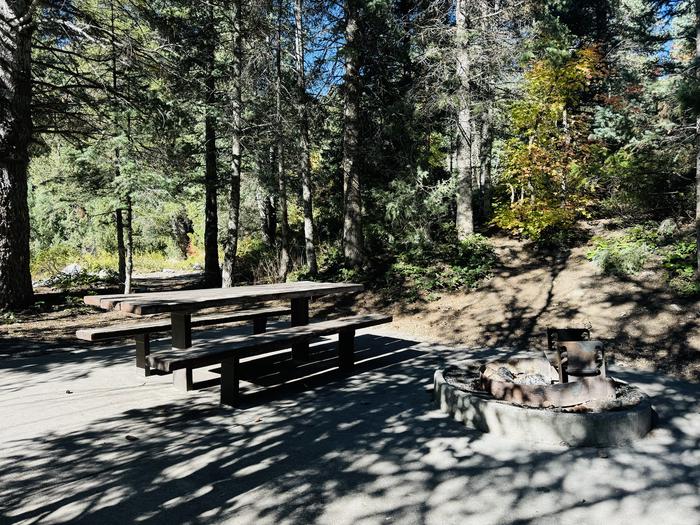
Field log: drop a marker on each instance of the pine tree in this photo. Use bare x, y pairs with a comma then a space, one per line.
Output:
16, 28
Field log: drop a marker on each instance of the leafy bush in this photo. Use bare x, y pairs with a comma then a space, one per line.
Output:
450, 267
256, 261
620, 256
52, 260
332, 266
679, 261
680, 257
49, 262
537, 221
82, 279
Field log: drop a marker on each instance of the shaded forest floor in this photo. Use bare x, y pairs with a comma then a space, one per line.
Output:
644, 324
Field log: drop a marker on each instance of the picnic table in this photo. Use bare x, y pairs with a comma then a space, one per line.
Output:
182, 304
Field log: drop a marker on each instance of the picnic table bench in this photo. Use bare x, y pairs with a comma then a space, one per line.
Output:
183, 357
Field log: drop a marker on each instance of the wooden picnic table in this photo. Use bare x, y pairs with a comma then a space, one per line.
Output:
181, 304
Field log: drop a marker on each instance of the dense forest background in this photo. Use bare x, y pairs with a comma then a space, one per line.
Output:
381, 140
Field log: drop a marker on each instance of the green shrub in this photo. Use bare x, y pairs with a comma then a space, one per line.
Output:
536, 221
82, 279
255, 261
679, 261
332, 266
50, 261
621, 256
475, 251
680, 257
454, 267
647, 233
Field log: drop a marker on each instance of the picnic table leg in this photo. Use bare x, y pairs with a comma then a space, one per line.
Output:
300, 316
259, 325
143, 348
181, 327
346, 350
229, 381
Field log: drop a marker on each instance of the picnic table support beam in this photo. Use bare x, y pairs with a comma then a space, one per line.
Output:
230, 381
300, 316
346, 350
182, 379
181, 326
259, 325
181, 330
143, 348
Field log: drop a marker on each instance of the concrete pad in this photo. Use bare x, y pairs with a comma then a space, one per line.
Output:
316, 447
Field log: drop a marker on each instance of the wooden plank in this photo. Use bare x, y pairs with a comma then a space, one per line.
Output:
113, 332
213, 351
234, 296
188, 300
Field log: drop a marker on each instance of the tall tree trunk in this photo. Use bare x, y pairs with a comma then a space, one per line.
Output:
15, 135
304, 142
128, 262
121, 250
485, 162
212, 272
266, 212
352, 223
697, 136
231, 240
284, 259
465, 214
475, 155
129, 245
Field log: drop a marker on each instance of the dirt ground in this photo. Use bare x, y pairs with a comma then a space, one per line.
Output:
643, 324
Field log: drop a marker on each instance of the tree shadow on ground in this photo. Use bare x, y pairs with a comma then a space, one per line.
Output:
331, 449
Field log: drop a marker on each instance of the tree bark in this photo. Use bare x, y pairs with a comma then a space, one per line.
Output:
121, 250
266, 212
304, 142
465, 214
16, 29
485, 162
212, 272
129, 245
697, 138
284, 259
231, 240
352, 223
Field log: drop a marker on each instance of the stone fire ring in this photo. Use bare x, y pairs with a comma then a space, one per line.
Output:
544, 426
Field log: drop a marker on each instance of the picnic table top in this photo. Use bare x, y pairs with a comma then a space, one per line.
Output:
190, 300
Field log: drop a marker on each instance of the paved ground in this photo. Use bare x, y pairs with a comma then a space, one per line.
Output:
85, 439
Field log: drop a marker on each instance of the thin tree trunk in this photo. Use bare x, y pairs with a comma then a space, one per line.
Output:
485, 162
304, 142
266, 212
352, 223
121, 250
284, 259
475, 152
697, 137
129, 245
212, 272
15, 136
465, 214
231, 240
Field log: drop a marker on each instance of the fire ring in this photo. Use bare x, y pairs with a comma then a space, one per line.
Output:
489, 405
